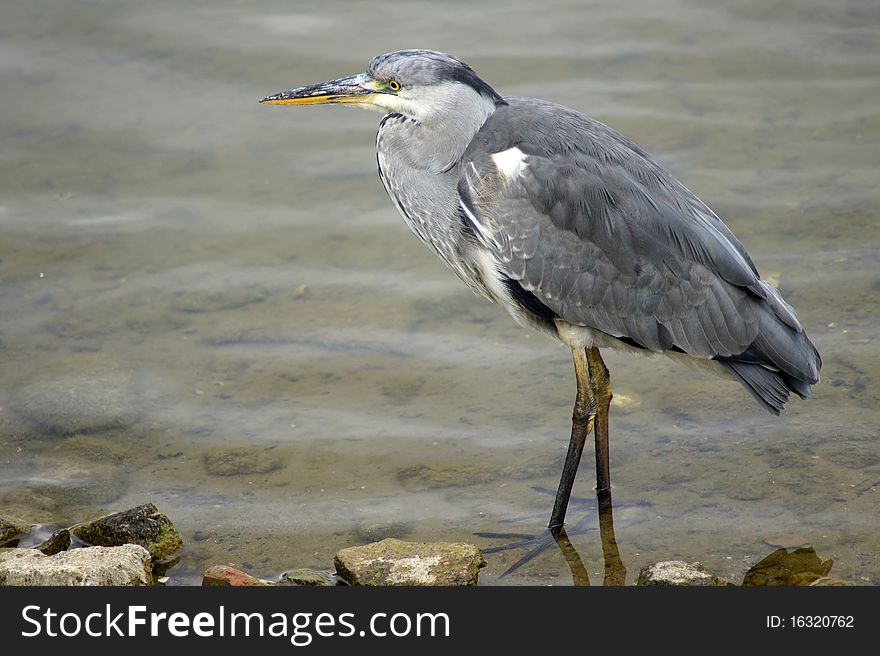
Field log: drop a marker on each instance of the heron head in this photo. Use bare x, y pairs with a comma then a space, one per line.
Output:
422, 84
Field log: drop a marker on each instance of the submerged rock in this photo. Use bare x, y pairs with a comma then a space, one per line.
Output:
678, 572
66, 485
208, 300
10, 532
800, 567
442, 476
105, 448
86, 402
143, 525
236, 461
395, 562
56, 543
223, 575
125, 565
306, 576
381, 530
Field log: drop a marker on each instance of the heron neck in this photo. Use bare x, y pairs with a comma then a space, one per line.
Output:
419, 166
435, 143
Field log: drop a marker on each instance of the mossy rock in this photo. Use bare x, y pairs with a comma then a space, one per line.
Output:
11, 531
56, 543
306, 576
789, 568
143, 525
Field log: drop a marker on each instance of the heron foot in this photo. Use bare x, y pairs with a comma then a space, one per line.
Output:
537, 544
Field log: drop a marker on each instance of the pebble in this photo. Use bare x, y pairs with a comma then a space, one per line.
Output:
223, 575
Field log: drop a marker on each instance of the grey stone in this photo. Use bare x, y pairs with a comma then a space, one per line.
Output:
395, 562
125, 565
678, 572
143, 525
10, 531
85, 402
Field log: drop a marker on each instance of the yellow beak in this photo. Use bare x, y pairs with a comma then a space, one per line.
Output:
354, 89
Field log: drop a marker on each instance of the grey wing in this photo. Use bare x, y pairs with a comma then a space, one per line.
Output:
605, 239
579, 240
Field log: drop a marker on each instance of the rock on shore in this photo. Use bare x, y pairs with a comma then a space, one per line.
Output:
143, 525
678, 572
126, 565
11, 531
395, 562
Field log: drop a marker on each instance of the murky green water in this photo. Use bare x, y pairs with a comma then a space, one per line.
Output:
186, 274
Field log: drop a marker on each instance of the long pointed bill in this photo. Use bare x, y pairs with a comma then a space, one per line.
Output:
354, 89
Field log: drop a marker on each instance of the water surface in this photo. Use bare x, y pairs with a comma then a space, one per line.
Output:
185, 272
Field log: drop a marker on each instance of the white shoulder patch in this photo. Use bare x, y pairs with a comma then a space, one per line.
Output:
509, 162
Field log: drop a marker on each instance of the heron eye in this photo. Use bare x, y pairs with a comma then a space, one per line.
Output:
394, 85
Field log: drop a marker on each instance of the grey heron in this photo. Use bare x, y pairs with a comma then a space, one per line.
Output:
576, 231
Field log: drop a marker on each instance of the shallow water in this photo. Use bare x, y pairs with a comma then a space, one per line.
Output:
186, 272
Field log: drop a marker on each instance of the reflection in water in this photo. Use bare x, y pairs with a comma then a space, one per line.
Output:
579, 575
781, 568
615, 571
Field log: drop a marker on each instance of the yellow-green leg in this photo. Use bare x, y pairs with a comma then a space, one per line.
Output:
600, 381
581, 425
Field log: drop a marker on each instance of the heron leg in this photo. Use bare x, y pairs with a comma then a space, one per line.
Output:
581, 425
600, 380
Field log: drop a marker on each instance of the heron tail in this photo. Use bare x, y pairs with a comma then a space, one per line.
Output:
770, 388
781, 360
